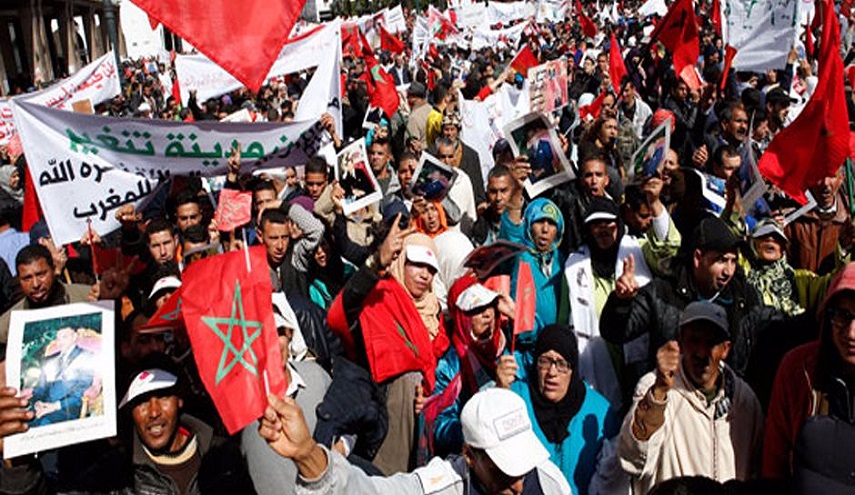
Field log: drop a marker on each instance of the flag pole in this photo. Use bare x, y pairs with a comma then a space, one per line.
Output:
849, 186
246, 251
92, 249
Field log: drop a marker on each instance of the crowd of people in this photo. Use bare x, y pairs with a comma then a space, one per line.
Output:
676, 346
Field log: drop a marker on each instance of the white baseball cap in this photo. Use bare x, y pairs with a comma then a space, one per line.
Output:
475, 296
148, 381
422, 254
496, 420
170, 282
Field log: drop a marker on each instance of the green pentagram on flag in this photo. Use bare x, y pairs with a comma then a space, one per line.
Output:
226, 365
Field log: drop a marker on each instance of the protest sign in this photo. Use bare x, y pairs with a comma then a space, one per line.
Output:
551, 11
651, 7
356, 178
547, 86
233, 209
762, 34
484, 37
97, 82
7, 124
87, 166
471, 15
394, 20
648, 159
507, 13
432, 178
533, 136
61, 358
486, 259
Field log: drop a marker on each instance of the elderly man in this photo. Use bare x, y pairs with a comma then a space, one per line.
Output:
692, 416
496, 433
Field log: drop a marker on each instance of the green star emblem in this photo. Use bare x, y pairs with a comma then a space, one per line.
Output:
238, 355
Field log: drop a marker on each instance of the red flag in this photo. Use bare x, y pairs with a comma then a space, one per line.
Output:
168, 316
589, 29
815, 144
524, 60
229, 318
617, 69
244, 40
850, 75
729, 53
716, 16
32, 208
809, 47
593, 109
381, 85
389, 42
350, 41
846, 8
439, 26
526, 302
233, 210
679, 33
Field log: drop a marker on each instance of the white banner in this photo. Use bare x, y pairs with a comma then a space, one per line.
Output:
506, 13
210, 80
394, 19
484, 36
651, 7
551, 11
471, 15
7, 124
96, 82
87, 166
762, 34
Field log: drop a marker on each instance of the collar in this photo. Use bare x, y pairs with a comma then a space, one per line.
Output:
827, 211
295, 383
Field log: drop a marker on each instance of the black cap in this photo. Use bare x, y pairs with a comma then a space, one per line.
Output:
602, 209
778, 95
417, 90
712, 234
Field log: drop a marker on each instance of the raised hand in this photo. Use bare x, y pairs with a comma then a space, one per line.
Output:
667, 363
506, 371
393, 244
626, 286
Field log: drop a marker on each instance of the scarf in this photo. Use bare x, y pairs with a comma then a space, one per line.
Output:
6, 172
428, 304
537, 210
554, 417
421, 223
475, 356
776, 282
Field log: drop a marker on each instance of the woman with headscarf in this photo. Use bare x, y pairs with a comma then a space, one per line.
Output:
543, 228
390, 325
327, 273
568, 416
469, 365
431, 220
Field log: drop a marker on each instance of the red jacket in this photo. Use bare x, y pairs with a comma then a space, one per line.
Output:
793, 401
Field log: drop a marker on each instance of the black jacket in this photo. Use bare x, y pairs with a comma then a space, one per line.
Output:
655, 311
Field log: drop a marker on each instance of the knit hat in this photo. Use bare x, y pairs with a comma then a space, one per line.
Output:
712, 234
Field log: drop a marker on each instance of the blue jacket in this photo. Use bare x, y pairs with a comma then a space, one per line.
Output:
576, 456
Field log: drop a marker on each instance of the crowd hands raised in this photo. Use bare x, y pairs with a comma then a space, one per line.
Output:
663, 345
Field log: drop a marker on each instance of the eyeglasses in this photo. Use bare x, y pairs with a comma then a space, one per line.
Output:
840, 318
561, 365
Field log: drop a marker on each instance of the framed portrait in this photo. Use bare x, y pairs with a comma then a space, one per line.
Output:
533, 136
62, 359
432, 178
355, 176
649, 159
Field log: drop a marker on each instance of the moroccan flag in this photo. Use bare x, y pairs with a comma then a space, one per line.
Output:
168, 316
439, 26
233, 210
814, 145
850, 75
525, 300
617, 69
243, 39
524, 60
389, 42
679, 33
729, 53
350, 41
810, 49
589, 29
593, 109
229, 318
716, 16
381, 86
32, 208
